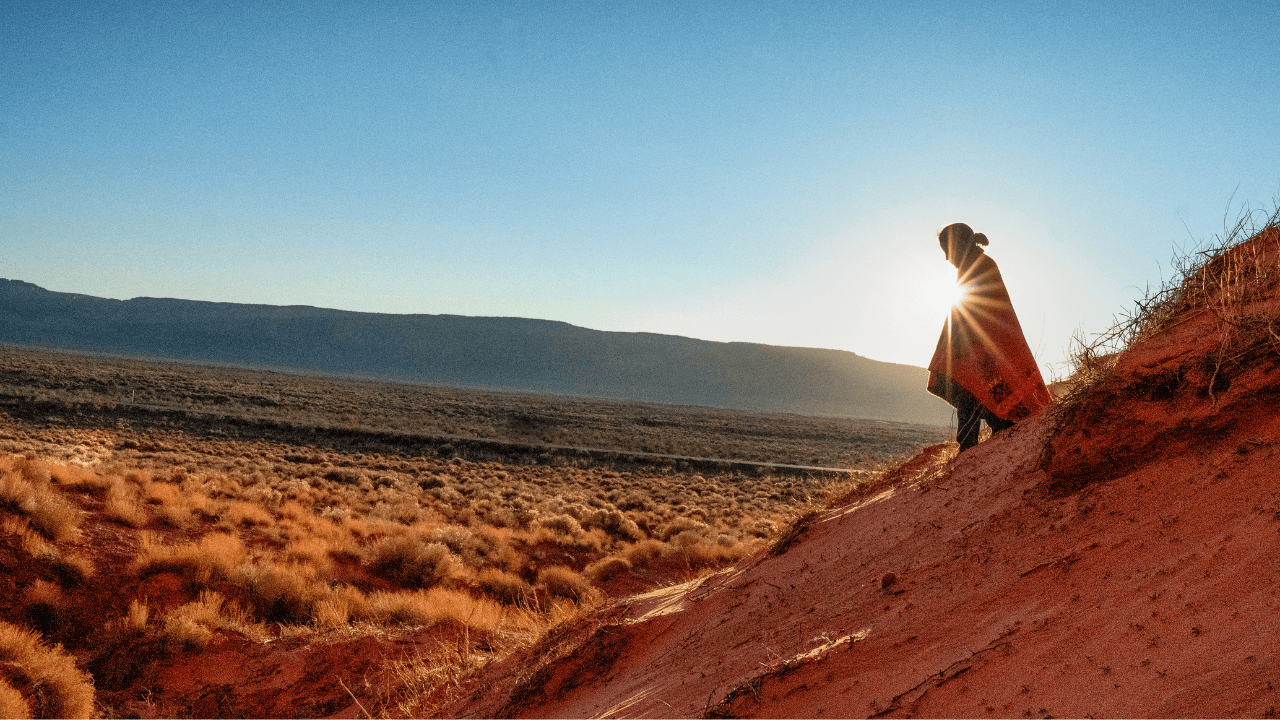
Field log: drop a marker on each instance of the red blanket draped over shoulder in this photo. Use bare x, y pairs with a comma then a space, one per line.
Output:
983, 351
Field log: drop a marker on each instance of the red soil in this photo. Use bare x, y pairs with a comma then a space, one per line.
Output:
237, 677
1117, 557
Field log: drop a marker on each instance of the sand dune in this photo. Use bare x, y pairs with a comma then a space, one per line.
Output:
1113, 556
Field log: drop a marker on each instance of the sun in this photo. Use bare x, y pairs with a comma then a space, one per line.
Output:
954, 294
937, 291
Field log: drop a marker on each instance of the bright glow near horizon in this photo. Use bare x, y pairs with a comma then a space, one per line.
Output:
758, 172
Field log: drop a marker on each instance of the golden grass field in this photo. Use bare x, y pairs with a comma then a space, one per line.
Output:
149, 508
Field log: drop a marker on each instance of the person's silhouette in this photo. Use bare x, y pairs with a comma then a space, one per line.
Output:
982, 365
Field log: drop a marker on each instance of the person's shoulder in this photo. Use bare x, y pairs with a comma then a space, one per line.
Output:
985, 264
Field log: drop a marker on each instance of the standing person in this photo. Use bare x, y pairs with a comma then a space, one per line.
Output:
982, 365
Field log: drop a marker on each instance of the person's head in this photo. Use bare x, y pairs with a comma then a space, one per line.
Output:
960, 243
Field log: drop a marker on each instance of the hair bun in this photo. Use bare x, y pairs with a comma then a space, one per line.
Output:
980, 239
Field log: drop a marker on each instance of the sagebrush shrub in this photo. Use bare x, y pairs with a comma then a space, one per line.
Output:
561, 524
124, 505
279, 591
563, 582
683, 525
25, 491
606, 568
410, 560
615, 523
645, 551
507, 588
59, 687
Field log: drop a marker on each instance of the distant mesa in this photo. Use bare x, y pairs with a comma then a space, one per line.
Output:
515, 354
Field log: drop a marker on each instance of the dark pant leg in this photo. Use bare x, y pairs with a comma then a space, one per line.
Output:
997, 424
969, 420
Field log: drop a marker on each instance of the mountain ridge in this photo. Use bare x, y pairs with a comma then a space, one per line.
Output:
507, 353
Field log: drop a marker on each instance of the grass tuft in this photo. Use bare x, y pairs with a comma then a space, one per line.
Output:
216, 555
59, 689
282, 592
411, 560
1209, 276
191, 626
123, 504
26, 491
607, 568
507, 588
12, 704
563, 582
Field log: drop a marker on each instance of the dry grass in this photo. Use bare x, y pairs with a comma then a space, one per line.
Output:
412, 560
191, 626
274, 537
124, 505
215, 555
895, 472
26, 491
70, 565
58, 688
12, 704
1218, 277
136, 392
138, 615
563, 582
507, 588
282, 592
644, 552
428, 682
607, 568
275, 544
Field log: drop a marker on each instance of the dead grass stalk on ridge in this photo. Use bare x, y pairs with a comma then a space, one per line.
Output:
1206, 277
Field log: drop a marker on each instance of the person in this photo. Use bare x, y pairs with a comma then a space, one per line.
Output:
983, 366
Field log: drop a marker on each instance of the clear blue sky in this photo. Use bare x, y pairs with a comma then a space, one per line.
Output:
770, 172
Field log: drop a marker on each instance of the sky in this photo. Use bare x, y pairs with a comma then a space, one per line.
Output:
771, 172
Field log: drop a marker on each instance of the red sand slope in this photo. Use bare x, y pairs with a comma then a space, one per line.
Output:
1122, 563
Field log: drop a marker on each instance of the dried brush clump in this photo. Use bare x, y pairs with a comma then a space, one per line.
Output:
607, 568
643, 553
26, 491
507, 588
56, 688
71, 566
282, 592
1223, 278
215, 555
124, 505
563, 582
191, 626
412, 560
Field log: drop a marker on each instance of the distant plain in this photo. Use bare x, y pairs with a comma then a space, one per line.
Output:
58, 387
245, 507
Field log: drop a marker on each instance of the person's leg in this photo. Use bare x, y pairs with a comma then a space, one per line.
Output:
997, 424
969, 420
